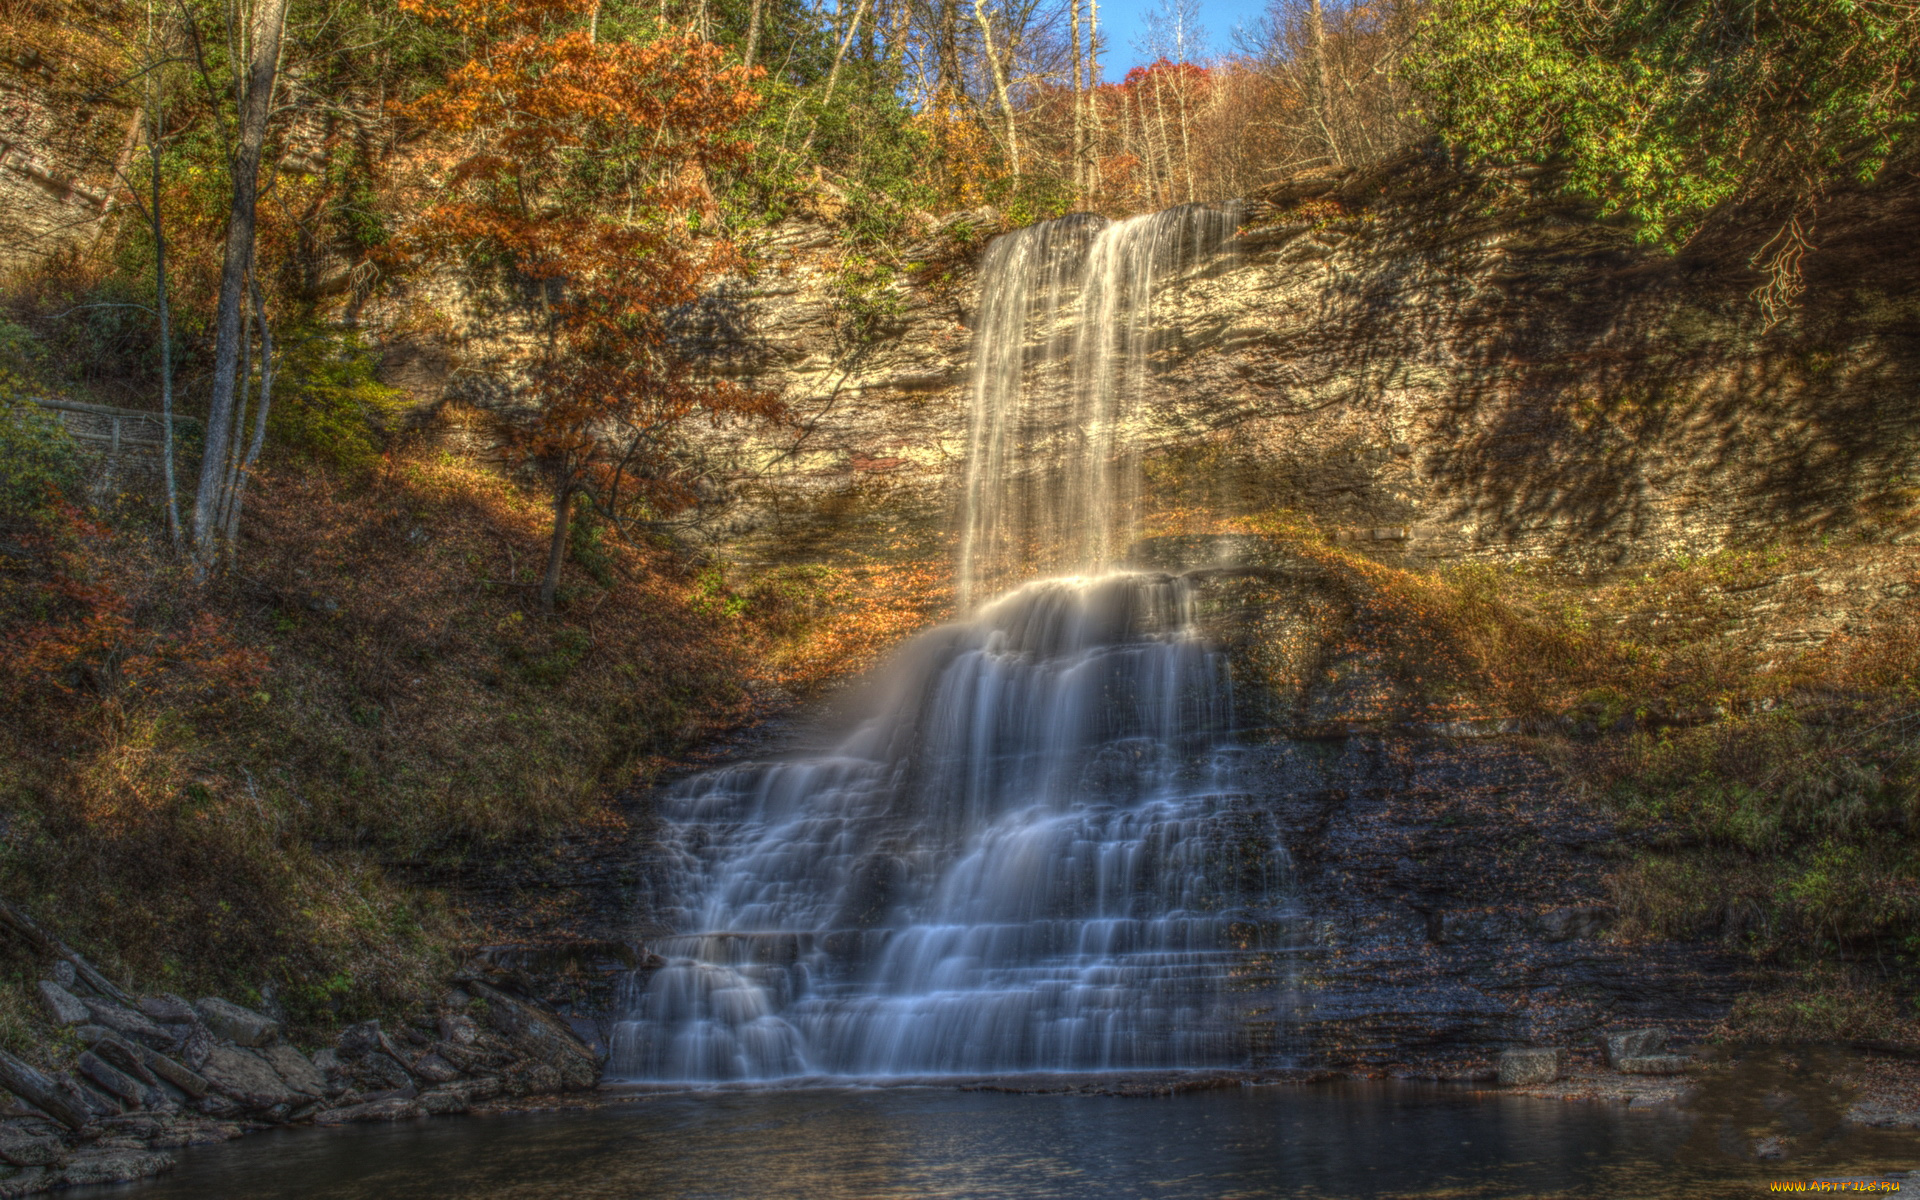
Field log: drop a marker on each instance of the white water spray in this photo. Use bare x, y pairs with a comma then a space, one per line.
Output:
1032, 855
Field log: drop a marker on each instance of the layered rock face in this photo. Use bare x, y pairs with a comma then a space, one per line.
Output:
1437, 367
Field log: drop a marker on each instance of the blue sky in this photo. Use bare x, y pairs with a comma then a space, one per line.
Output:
1124, 22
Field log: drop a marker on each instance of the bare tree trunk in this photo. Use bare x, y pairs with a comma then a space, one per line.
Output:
833, 76
951, 78
1079, 110
1166, 143
557, 547
753, 30
1186, 145
156, 100
1320, 95
999, 84
1098, 120
265, 401
263, 61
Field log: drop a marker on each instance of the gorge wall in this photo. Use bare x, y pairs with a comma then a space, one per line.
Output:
1441, 368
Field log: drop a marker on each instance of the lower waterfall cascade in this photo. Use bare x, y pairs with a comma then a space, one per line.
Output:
1032, 854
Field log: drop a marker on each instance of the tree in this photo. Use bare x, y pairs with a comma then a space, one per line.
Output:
1665, 110
580, 171
255, 69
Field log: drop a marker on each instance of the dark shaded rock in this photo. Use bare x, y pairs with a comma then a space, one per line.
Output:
128, 1023
363, 1038
169, 1010
61, 1006
247, 1079
1528, 1066
445, 1099
543, 1037
30, 1181
458, 1028
1652, 1064
1634, 1043
434, 1069
241, 1026
23, 1149
294, 1067
115, 1082
395, 1109
113, 1166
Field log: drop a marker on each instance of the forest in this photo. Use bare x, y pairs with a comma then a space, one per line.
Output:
260, 717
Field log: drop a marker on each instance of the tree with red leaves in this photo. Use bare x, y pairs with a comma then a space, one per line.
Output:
581, 167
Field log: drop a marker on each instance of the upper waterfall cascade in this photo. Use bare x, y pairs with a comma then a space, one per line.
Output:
1032, 854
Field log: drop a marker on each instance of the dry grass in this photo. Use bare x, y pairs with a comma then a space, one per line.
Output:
394, 695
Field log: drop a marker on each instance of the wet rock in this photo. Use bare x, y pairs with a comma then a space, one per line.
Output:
22, 1149
61, 1006
244, 1077
294, 1067
113, 1166
30, 1181
532, 1079
434, 1069
395, 1109
446, 1099
1634, 1043
1521, 1067
542, 1037
1652, 1064
193, 1131
241, 1026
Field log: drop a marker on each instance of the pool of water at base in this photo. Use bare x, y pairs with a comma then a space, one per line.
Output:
1339, 1140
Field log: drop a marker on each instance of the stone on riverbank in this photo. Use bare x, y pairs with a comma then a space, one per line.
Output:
1652, 1064
61, 1006
246, 1078
294, 1067
394, 1109
241, 1026
1523, 1067
1633, 1043
22, 1149
113, 1166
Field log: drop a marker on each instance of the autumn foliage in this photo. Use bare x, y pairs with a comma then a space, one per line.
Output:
581, 167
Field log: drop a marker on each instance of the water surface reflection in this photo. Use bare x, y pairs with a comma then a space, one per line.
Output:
1350, 1140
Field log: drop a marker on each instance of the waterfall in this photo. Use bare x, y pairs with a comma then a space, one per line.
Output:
1062, 343
1032, 854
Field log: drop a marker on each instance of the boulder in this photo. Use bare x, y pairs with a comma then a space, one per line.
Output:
363, 1038
434, 1069
1520, 1067
127, 1023
241, 1026
169, 1010
395, 1109
245, 1077
62, 973
1633, 1043
448, 1098
113, 1166
29, 1181
144, 1063
1652, 1064
291, 1065
22, 1149
115, 1082
542, 1036
61, 1006
458, 1029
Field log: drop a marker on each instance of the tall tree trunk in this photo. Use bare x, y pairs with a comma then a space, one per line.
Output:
156, 99
1166, 143
557, 547
999, 85
263, 60
951, 79
1320, 93
1096, 119
1079, 109
261, 405
753, 30
833, 76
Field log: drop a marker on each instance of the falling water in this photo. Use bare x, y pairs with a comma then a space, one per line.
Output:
1032, 853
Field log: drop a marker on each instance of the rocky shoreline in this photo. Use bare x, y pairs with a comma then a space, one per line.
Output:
154, 1072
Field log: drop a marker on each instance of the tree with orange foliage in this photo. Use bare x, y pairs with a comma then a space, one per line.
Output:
580, 166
